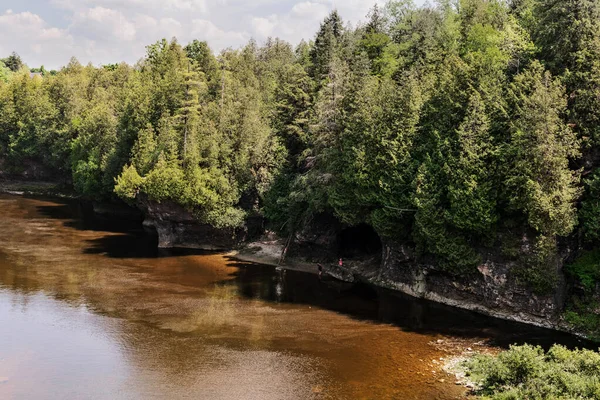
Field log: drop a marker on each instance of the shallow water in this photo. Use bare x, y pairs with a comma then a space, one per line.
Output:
89, 309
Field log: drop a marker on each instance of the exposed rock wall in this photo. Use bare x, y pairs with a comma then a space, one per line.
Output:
177, 227
492, 290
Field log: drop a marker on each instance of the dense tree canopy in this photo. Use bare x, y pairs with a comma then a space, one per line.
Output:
443, 125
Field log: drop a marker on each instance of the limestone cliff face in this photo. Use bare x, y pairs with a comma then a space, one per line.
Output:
31, 170
177, 227
492, 290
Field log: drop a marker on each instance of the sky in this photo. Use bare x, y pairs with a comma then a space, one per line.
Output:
50, 32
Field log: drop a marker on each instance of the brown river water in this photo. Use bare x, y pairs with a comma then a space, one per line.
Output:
90, 309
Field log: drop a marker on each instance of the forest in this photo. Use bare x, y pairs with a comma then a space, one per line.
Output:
454, 126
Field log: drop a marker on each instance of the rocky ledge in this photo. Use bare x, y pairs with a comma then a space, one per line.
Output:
177, 227
492, 290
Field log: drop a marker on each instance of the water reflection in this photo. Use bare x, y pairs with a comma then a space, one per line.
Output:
89, 309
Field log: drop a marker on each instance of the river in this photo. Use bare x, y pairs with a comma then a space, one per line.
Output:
90, 309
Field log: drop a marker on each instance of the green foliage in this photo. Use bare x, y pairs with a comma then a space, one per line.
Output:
470, 190
583, 308
587, 269
590, 210
568, 35
583, 319
438, 125
527, 372
164, 182
538, 267
5, 72
145, 151
538, 179
432, 232
326, 45
128, 184
14, 62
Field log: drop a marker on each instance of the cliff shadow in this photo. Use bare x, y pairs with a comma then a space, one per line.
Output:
138, 245
359, 242
368, 303
125, 237
80, 215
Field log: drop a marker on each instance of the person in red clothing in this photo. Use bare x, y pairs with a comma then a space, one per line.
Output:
341, 263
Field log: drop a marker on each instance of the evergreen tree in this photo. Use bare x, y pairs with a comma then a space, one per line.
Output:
538, 179
326, 45
438, 125
14, 62
375, 41
4, 72
568, 34
470, 173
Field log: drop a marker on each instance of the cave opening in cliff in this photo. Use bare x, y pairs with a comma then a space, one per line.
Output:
359, 242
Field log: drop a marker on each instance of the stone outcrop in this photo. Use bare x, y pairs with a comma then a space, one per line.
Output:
492, 290
177, 227
31, 170
339, 273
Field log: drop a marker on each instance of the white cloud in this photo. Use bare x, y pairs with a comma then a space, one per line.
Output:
218, 38
105, 31
264, 26
103, 23
309, 9
133, 5
27, 33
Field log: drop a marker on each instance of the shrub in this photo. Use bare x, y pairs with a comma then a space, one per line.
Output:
587, 269
527, 372
128, 184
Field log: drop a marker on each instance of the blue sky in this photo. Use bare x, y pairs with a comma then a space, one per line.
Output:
50, 32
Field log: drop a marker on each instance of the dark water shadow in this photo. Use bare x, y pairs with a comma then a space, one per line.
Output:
138, 245
125, 245
131, 241
81, 216
368, 303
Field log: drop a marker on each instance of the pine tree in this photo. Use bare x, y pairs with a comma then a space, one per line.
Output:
144, 154
326, 45
188, 114
539, 181
568, 34
375, 40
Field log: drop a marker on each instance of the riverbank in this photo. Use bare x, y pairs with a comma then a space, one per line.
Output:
269, 252
269, 248
194, 293
530, 372
37, 188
